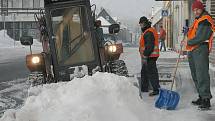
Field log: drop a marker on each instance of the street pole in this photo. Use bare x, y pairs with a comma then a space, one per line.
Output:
4, 23
131, 38
14, 28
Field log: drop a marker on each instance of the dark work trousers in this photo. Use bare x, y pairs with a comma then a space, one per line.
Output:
149, 73
162, 44
199, 66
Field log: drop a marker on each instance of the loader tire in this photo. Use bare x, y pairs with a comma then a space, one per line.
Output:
119, 67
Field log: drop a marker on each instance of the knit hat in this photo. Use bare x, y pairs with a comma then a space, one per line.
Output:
143, 20
197, 4
98, 23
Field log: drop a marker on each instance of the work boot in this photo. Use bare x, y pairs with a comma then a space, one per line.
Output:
205, 104
197, 102
154, 93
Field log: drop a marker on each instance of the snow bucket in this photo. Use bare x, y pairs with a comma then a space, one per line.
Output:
167, 99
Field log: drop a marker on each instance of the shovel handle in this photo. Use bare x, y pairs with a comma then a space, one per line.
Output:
177, 63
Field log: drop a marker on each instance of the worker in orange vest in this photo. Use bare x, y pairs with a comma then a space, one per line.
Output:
199, 43
149, 52
162, 37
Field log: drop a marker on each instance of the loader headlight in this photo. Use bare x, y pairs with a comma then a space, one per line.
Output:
112, 48
35, 60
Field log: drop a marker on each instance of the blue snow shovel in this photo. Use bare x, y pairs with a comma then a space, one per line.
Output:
169, 99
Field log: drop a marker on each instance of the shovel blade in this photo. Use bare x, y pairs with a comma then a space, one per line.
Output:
167, 99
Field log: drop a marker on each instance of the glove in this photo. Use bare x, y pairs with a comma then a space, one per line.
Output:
185, 30
183, 43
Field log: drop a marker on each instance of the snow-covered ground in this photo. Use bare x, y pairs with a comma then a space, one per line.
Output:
12, 93
101, 97
106, 97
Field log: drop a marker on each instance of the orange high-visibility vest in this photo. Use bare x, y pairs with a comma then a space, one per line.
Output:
156, 50
193, 29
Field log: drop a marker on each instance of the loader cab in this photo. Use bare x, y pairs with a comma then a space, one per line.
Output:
71, 44
71, 37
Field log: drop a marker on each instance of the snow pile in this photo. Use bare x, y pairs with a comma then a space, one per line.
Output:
96, 98
5, 40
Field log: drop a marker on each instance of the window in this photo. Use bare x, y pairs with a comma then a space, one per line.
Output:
34, 25
17, 34
26, 25
9, 25
27, 3
17, 3
72, 36
107, 18
4, 3
24, 32
36, 3
16, 25
10, 3
1, 25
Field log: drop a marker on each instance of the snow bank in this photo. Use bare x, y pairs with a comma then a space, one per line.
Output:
5, 40
101, 97
8, 42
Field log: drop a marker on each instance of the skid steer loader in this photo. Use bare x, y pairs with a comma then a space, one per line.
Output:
70, 44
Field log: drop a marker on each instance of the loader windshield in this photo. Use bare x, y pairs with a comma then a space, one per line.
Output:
72, 35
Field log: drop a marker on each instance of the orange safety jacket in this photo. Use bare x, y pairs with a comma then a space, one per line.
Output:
156, 50
193, 29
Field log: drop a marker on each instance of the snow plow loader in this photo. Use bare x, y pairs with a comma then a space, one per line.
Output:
70, 44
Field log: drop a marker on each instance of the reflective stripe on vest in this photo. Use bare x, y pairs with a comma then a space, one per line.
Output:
156, 50
193, 29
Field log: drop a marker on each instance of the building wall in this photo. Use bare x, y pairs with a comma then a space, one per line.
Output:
210, 7
19, 19
181, 12
25, 3
181, 15
167, 24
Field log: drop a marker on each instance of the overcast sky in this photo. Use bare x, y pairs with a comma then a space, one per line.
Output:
127, 9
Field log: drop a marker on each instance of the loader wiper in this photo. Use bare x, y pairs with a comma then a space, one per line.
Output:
75, 39
78, 45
